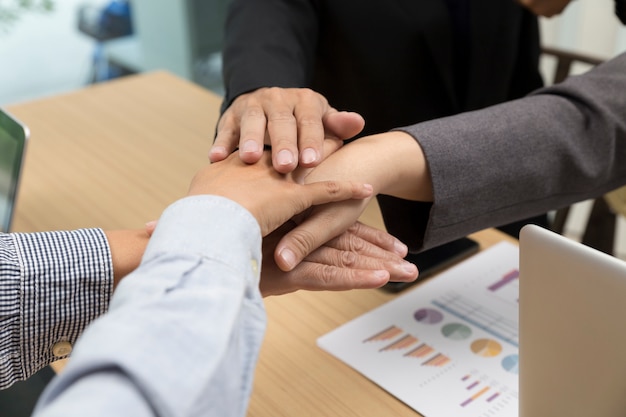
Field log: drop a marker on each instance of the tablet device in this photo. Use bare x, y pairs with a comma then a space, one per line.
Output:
13, 136
434, 260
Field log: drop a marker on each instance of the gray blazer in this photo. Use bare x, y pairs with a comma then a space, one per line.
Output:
559, 145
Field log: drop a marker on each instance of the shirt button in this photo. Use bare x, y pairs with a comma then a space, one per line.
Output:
255, 266
61, 349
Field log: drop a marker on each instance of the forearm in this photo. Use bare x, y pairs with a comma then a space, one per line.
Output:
195, 296
393, 163
560, 145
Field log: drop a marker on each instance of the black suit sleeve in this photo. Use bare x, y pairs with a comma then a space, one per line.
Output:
268, 43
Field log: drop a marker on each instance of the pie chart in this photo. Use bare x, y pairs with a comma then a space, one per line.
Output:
428, 316
511, 364
486, 347
456, 331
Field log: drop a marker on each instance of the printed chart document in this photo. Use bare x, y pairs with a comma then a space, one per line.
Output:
449, 347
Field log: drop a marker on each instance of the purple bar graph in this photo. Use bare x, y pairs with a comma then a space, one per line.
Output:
511, 276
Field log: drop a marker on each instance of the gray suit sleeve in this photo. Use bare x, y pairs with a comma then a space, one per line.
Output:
559, 145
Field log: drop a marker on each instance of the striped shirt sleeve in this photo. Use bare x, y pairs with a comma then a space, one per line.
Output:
52, 285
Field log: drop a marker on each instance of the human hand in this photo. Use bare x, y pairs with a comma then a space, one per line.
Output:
362, 257
392, 162
546, 8
295, 121
272, 198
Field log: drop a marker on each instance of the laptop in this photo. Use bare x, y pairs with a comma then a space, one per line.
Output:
572, 328
13, 137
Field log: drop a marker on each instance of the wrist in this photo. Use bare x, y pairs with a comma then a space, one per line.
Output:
393, 163
127, 248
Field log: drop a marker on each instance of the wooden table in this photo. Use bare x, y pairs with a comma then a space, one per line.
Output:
115, 155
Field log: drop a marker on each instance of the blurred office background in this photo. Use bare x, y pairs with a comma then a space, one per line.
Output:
44, 53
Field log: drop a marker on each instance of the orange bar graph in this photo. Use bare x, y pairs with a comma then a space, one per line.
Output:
387, 334
438, 360
420, 351
402, 343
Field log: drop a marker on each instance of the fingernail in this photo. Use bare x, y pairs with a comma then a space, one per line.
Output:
309, 156
284, 157
381, 274
217, 150
289, 257
250, 146
400, 248
409, 268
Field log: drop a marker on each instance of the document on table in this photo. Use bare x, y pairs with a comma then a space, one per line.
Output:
449, 347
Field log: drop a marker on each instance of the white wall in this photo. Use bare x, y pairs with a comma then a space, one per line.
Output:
586, 26
44, 54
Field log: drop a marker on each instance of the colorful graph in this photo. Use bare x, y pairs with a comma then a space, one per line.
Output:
475, 396
438, 360
506, 279
428, 316
478, 315
423, 351
420, 351
511, 364
456, 331
476, 384
387, 334
402, 343
487, 348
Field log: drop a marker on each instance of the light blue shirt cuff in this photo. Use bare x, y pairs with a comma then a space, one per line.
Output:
205, 225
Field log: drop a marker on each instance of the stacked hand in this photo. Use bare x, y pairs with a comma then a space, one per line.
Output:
360, 257
329, 249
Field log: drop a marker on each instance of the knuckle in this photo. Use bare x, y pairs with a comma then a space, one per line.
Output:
272, 92
357, 244
254, 112
281, 116
348, 259
332, 188
311, 95
310, 120
226, 131
302, 241
327, 275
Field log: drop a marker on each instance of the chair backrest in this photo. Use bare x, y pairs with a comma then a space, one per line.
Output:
565, 60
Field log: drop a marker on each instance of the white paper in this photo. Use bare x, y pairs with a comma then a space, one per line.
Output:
449, 347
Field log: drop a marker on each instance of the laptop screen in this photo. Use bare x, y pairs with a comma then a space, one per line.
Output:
12, 141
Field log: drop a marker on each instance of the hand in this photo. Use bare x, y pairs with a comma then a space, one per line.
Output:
362, 257
295, 121
272, 198
546, 8
392, 162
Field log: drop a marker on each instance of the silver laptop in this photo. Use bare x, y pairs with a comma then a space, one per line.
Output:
13, 136
572, 328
